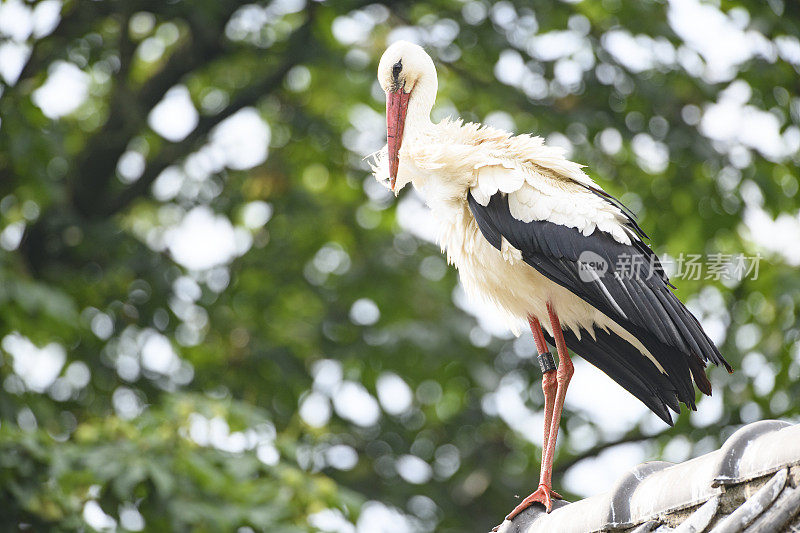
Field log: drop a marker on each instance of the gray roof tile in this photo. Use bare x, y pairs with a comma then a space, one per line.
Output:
654, 490
753, 506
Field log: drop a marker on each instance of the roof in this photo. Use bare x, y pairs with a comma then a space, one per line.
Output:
751, 480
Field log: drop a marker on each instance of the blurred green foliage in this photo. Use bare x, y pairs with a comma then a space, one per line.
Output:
92, 275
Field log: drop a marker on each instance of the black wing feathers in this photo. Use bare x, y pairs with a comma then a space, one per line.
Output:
633, 290
630, 217
630, 222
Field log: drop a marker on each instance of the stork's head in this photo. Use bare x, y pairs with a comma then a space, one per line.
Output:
408, 77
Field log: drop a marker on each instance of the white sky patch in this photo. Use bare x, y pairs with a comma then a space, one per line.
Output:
651, 155
508, 403
16, 20
788, 48
411, 34
341, 457
638, 53
327, 375
597, 474
198, 429
413, 469
130, 166
709, 410
732, 122
315, 409
500, 120
559, 139
415, 217
368, 131
710, 309
376, 517
220, 436
78, 374
11, 235
490, 319
610, 141
200, 165
46, 16
37, 367
510, 68
353, 28
570, 50
175, 116
268, 454
151, 49
202, 239
13, 57
215, 432
393, 393
218, 431
720, 38
246, 22
332, 259
588, 384
126, 403
187, 289
778, 235
19, 21
568, 72
94, 516
102, 326
330, 521
364, 312
130, 519
754, 364
168, 183
243, 138
255, 214
65, 89
352, 402
555, 44
157, 353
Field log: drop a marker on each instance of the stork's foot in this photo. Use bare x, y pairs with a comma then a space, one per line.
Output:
543, 495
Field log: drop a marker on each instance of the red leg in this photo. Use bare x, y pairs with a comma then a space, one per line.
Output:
544, 493
563, 377
548, 380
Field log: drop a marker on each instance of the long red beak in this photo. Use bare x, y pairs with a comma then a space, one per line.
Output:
396, 107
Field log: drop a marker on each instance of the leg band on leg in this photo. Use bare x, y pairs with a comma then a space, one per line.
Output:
546, 362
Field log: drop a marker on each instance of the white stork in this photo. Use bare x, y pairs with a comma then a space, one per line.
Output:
532, 234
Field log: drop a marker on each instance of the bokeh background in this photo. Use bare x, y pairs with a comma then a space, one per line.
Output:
212, 318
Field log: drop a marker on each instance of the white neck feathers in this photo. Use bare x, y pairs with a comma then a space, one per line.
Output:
423, 95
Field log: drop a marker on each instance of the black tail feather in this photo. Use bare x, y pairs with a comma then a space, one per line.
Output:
622, 362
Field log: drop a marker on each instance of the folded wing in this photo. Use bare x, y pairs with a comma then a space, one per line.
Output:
580, 237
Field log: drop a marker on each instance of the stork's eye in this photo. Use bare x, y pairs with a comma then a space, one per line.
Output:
396, 69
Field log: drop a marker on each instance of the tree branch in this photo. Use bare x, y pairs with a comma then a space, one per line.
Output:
73, 24
172, 152
632, 436
128, 114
